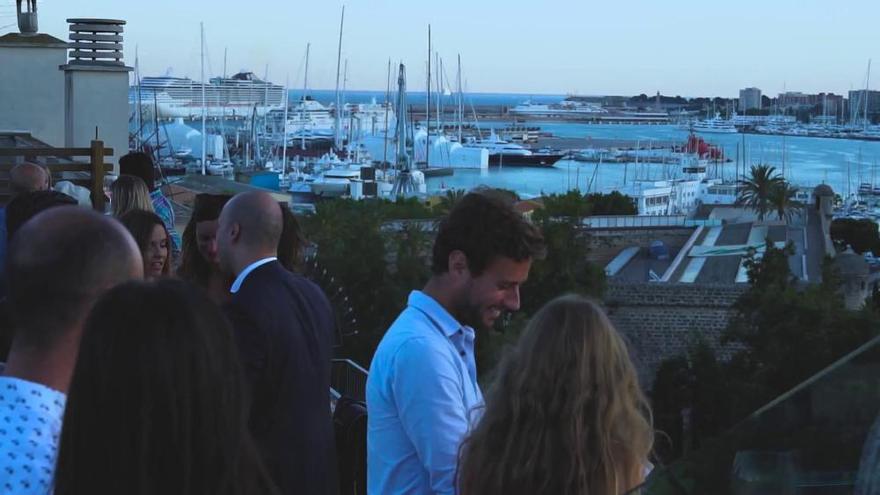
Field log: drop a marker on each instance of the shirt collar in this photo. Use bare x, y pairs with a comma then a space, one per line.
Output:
436, 312
244, 273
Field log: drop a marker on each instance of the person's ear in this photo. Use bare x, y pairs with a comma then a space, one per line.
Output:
458, 265
235, 232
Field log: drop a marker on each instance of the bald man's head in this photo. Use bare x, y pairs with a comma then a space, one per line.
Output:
28, 177
59, 263
250, 227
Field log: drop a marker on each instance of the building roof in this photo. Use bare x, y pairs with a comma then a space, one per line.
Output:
31, 40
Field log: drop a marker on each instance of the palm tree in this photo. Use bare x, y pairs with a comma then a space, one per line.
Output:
782, 200
756, 191
447, 202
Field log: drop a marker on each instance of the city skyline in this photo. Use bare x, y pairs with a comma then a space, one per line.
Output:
630, 47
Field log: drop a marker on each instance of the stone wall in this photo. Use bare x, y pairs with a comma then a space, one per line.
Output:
660, 321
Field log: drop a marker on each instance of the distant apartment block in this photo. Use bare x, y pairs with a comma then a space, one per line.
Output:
796, 99
858, 105
749, 98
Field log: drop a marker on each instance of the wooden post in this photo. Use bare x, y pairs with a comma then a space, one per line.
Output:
97, 163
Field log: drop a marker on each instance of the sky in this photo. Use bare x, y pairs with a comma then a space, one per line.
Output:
623, 47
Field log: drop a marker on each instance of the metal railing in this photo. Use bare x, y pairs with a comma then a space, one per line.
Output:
641, 221
348, 379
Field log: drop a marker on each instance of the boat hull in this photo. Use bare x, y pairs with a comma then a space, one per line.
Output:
533, 160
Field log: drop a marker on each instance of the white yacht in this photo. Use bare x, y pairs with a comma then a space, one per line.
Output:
714, 125
310, 120
497, 146
503, 152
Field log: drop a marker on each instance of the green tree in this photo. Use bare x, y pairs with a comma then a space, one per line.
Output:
782, 200
351, 247
861, 235
571, 204
782, 331
449, 200
757, 189
613, 203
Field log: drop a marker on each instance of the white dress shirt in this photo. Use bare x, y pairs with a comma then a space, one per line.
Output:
247, 271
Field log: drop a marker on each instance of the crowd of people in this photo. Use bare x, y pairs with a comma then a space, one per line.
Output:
138, 361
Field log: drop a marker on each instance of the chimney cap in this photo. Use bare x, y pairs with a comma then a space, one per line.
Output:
85, 20
96, 42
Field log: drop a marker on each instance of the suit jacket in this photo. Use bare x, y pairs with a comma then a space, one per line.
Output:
284, 329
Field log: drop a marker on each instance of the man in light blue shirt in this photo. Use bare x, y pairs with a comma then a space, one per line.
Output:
422, 391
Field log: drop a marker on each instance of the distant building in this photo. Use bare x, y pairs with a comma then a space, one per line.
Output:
857, 104
831, 105
796, 100
749, 98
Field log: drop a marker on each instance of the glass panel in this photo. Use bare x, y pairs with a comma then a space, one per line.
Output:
823, 437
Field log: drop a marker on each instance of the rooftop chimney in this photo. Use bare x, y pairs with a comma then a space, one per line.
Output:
96, 42
27, 20
96, 85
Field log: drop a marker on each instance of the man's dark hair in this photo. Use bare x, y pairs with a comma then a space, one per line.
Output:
485, 226
140, 165
59, 262
26, 205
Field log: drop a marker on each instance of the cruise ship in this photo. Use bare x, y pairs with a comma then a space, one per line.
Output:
181, 97
565, 109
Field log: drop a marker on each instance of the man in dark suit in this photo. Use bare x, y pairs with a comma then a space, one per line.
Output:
284, 329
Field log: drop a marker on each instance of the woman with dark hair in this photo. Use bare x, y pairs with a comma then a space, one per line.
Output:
156, 402
290, 246
565, 415
199, 262
149, 232
141, 165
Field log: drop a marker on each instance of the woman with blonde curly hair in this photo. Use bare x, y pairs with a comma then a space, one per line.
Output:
565, 416
129, 193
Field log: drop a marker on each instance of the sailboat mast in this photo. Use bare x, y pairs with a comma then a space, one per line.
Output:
428, 107
306, 77
156, 123
344, 87
387, 104
336, 135
204, 103
867, 85
138, 118
439, 70
302, 106
284, 126
460, 100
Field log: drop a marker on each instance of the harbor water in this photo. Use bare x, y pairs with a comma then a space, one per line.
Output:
806, 161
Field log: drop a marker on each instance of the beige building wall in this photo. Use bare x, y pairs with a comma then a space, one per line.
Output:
32, 86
